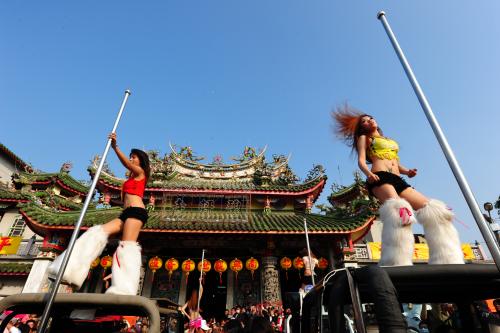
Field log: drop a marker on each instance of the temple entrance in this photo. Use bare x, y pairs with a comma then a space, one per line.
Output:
213, 300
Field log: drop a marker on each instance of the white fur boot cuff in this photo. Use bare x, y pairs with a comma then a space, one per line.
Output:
126, 269
397, 236
440, 234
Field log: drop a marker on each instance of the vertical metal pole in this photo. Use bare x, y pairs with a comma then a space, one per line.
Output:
201, 277
450, 157
90, 195
311, 264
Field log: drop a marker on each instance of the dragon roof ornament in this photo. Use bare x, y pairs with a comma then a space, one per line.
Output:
186, 158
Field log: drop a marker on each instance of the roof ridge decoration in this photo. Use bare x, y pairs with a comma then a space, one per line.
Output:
186, 158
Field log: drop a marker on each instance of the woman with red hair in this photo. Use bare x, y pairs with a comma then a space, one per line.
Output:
397, 198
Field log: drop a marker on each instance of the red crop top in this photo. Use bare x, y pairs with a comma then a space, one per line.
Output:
136, 187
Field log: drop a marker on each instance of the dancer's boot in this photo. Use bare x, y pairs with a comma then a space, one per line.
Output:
440, 234
87, 247
397, 235
126, 269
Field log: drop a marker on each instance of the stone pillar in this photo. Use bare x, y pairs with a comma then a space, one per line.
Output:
182, 289
38, 280
141, 277
271, 291
230, 289
147, 280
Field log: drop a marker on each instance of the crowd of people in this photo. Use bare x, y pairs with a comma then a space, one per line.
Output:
24, 324
255, 318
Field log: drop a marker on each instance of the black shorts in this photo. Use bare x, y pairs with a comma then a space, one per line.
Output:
388, 178
134, 212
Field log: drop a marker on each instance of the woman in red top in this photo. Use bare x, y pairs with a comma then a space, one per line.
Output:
127, 258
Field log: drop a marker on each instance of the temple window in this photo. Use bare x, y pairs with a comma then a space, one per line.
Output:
17, 228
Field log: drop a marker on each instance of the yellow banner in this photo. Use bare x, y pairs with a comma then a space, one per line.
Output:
9, 245
420, 251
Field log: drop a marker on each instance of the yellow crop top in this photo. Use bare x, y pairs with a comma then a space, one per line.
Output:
383, 148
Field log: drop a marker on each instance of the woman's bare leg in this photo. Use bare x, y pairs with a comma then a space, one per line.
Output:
416, 199
113, 227
131, 229
385, 192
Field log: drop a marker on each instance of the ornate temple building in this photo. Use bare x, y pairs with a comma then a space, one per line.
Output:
248, 216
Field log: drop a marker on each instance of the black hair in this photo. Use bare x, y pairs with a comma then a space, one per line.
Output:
144, 161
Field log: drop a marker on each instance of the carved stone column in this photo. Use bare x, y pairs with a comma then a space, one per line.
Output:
271, 292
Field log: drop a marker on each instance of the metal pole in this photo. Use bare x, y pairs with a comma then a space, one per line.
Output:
201, 276
311, 265
90, 195
450, 157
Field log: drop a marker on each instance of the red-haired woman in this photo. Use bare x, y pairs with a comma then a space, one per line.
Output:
127, 258
398, 199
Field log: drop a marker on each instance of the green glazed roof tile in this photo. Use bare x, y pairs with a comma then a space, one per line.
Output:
15, 268
216, 220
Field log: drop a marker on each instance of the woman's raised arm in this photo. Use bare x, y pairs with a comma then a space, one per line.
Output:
136, 170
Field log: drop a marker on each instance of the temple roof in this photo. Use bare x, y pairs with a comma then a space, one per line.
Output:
42, 197
18, 162
7, 195
181, 171
179, 182
194, 221
62, 178
344, 194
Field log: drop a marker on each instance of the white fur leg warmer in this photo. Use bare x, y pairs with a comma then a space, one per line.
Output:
397, 236
440, 234
87, 247
126, 269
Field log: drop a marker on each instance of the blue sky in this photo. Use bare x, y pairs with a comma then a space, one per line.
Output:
220, 75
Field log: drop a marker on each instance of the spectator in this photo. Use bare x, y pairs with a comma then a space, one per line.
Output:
233, 326
260, 325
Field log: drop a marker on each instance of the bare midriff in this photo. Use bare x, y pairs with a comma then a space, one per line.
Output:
132, 200
391, 166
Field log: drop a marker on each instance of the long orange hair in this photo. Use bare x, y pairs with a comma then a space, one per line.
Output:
347, 124
193, 300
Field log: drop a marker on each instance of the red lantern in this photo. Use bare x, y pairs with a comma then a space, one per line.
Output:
187, 267
286, 264
298, 264
252, 265
106, 263
236, 266
207, 266
171, 265
154, 264
220, 266
322, 263
93, 265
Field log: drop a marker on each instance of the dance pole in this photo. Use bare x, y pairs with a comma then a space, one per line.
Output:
311, 266
90, 195
455, 168
201, 276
